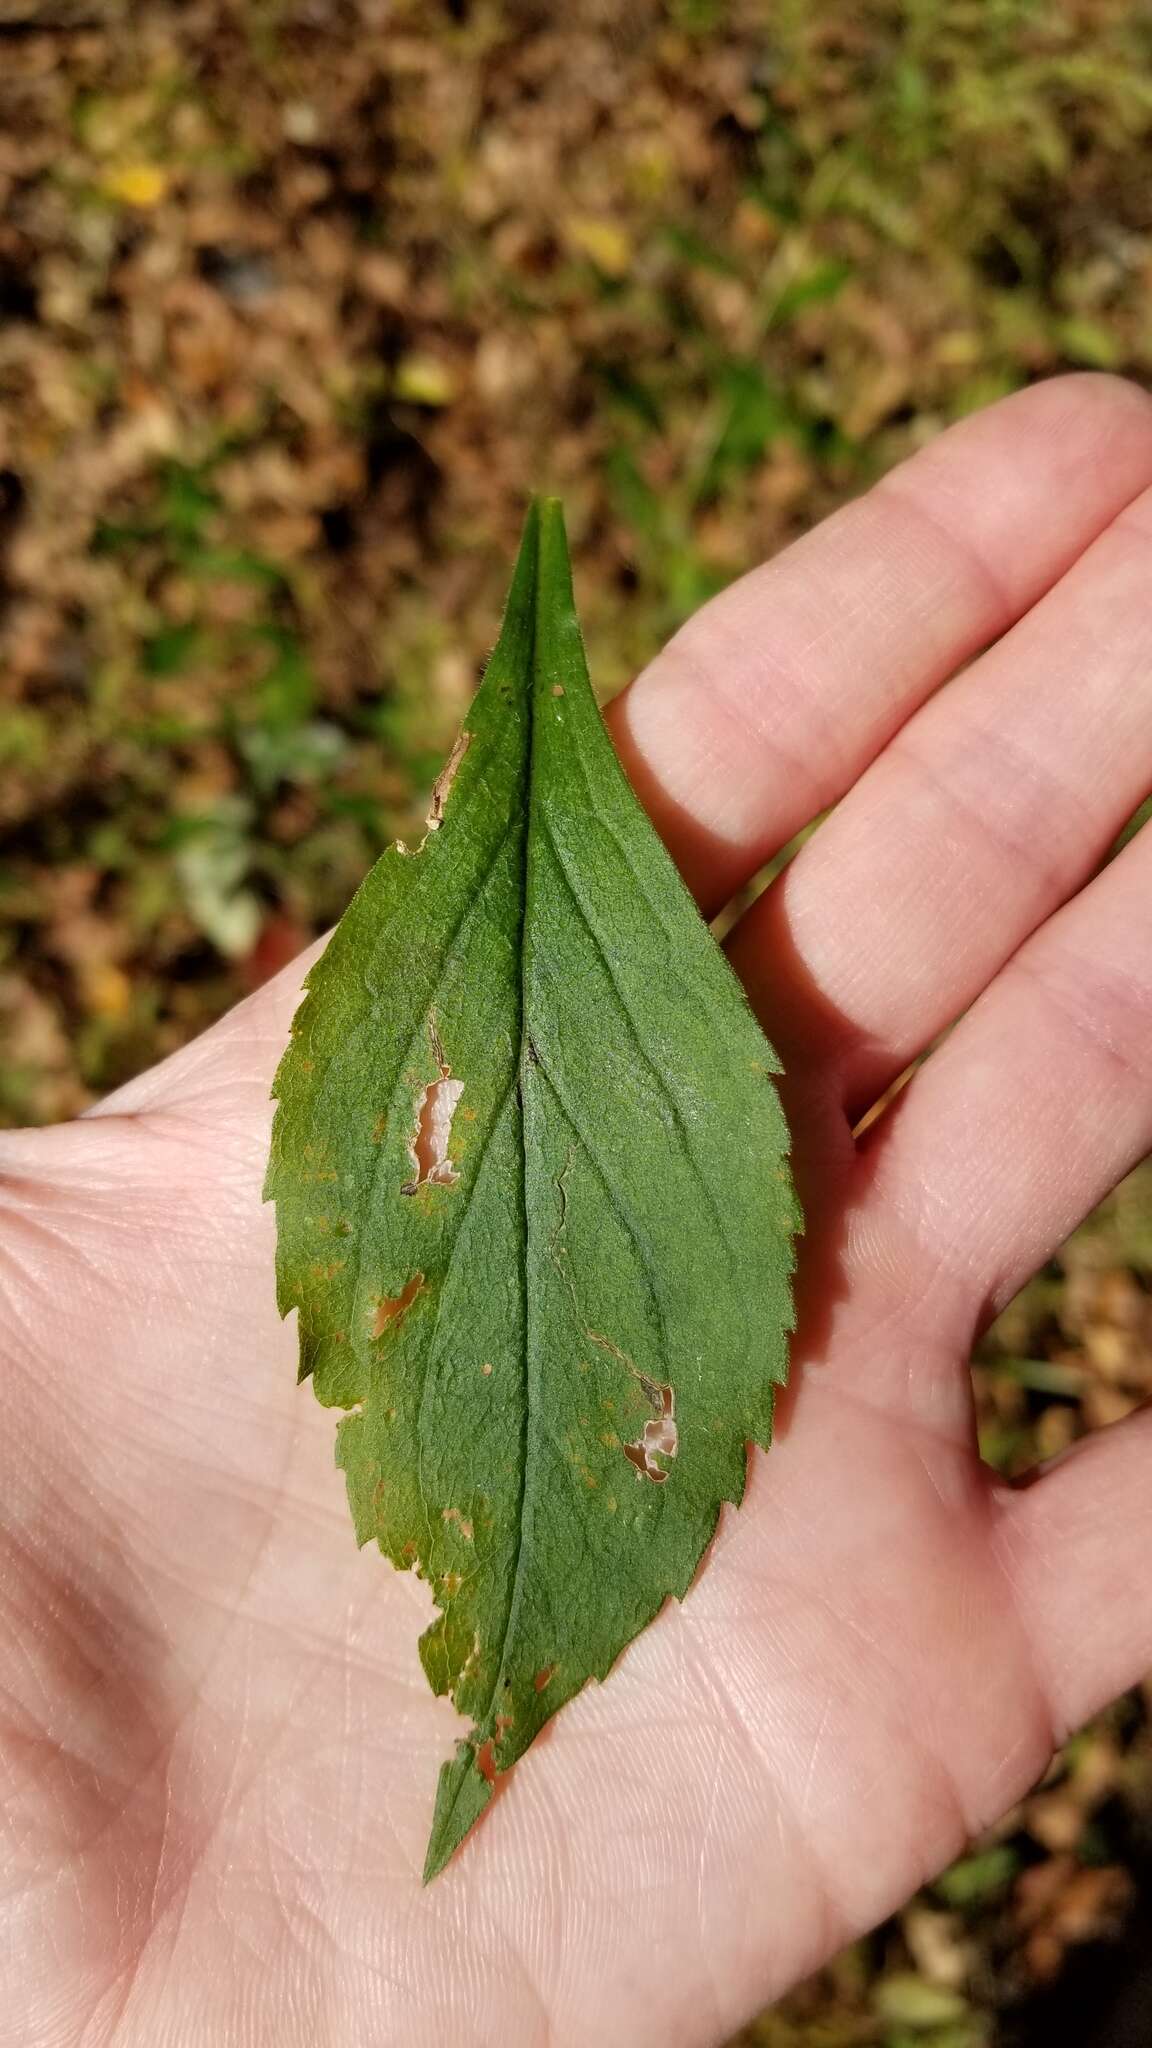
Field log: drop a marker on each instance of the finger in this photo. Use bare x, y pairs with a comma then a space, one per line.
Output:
1038, 1102
771, 701
988, 810
1076, 1547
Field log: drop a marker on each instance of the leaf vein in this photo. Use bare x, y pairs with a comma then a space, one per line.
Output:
663, 1088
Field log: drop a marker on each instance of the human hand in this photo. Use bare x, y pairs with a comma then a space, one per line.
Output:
219, 1747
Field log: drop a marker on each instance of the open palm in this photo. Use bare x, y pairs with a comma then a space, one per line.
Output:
218, 1747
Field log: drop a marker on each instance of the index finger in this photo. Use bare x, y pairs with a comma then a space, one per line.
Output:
773, 699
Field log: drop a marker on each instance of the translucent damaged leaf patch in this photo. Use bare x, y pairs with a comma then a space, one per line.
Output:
533, 1205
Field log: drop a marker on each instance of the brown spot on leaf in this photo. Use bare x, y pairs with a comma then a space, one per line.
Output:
486, 1369
441, 790
442, 786
544, 1677
464, 1526
557, 689
486, 1761
388, 1309
659, 1439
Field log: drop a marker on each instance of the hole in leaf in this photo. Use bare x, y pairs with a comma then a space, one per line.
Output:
660, 1439
428, 1149
435, 1109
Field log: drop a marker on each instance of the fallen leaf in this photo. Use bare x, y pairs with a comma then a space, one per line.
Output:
424, 380
607, 243
141, 185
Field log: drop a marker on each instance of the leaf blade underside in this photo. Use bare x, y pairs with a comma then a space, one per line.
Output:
533, 1204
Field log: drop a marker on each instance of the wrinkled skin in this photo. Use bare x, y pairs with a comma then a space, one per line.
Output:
219, 1752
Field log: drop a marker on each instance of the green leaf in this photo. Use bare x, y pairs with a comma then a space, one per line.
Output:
533, 1203
978, 1879
815, 288
756, 412
911, 2001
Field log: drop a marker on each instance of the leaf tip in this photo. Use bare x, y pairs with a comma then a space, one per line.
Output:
550, 512
461, 1796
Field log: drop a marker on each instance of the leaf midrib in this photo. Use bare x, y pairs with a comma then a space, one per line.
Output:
527, 1438
531, 1357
